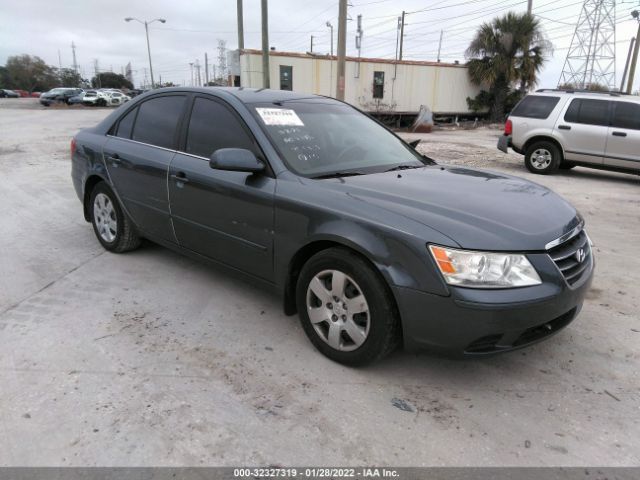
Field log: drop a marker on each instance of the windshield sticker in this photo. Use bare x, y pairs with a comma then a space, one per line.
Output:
279, 116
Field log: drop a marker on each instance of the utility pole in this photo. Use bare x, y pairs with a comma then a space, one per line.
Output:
265, 45
191, 66
75, 63
240, 26
197, 65
634, 61
626, 65
330, 25
311, 50
59, 60
206, 68
342, 49
401, 35
96, 70
359, 44
395, 65
440, 45
527, 48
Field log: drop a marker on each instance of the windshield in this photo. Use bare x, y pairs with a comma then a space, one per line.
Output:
319, 139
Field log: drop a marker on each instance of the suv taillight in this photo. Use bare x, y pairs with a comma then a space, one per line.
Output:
508, 127
73, 146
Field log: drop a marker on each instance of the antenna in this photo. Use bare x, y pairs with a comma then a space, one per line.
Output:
591, 59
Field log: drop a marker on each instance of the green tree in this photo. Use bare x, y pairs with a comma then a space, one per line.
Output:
5, 79
110, 80
30, 73
68, 77
508, 51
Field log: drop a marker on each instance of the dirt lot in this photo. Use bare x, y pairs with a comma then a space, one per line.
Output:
151, 358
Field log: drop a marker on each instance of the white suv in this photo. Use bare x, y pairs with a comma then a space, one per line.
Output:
562, 128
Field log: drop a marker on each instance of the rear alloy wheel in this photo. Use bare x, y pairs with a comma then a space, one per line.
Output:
542, 158
112, 227
346, 308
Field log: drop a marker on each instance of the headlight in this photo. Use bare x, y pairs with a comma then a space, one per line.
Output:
483, 269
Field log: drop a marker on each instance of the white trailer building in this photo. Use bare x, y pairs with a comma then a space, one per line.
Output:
375, 85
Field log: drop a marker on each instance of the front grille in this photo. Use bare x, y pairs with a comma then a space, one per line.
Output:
565, 256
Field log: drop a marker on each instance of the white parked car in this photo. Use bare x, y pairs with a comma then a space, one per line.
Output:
117, 98
560, 129
95, 97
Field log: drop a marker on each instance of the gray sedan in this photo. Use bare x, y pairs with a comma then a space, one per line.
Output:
371, 243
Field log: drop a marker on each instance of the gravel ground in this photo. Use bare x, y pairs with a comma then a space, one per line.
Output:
150, 358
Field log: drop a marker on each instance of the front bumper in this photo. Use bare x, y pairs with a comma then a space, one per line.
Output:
475, 322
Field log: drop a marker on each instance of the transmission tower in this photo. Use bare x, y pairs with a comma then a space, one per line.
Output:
592, 56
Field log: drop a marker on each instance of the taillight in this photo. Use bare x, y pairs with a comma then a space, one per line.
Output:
73, 146
508, 127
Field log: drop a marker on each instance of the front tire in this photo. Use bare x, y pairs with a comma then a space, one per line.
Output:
112, 227
542, 158
346, 308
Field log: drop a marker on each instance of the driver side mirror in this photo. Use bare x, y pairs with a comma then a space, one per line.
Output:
235, 160
414, 144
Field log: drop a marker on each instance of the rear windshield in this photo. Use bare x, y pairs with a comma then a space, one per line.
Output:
535, 106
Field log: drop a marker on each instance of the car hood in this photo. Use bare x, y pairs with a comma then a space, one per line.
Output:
476, 209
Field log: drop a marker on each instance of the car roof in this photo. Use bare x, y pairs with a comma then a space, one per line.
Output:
248, 95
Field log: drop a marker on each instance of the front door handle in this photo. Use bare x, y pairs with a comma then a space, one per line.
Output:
180, 177
564, 127
619, 134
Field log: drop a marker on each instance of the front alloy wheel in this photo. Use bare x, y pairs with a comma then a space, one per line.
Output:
346, 308
338, 310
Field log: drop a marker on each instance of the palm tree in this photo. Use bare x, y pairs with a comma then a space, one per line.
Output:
509, 50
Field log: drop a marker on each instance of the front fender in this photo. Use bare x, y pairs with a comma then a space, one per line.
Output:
398, 248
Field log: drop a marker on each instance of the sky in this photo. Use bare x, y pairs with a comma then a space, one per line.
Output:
194, 27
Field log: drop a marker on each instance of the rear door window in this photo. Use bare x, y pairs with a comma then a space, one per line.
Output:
125, 127
213, 126
535, 106
158, 119
588, 111
626, 115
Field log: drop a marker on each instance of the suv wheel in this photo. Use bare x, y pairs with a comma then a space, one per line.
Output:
346, 309
113, 228
542, 157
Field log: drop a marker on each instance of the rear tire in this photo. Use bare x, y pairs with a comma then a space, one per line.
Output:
346, 308
542, 157
114, 230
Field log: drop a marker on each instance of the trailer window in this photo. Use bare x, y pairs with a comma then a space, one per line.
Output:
378, 84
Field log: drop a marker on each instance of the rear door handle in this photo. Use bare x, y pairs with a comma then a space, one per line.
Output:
619, 134
114, 158
180, 177
564, 127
